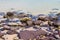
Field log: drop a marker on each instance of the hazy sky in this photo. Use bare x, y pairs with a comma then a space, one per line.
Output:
35, 6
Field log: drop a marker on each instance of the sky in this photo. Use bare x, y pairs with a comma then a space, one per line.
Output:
34, 6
